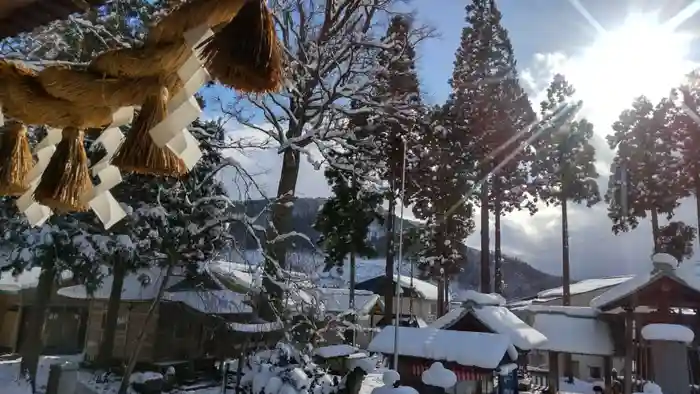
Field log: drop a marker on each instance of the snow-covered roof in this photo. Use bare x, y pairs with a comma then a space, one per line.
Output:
568, 333
141, 285
424, 289
668, 332
338, 300
332, 351
477, 349
498, 319
585, 286
480, 298
27, 279
573, 311
212, 301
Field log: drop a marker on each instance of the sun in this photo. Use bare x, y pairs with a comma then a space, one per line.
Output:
642, 56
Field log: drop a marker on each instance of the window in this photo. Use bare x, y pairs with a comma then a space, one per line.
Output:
433, 308
594, 372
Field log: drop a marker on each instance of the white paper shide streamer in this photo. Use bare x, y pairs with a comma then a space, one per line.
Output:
183, 108
100, 199
37, 214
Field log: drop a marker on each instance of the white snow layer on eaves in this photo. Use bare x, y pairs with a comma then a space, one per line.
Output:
477, 349
338, 300
220, 302
141, 285
585, 286
424, 289
575, 335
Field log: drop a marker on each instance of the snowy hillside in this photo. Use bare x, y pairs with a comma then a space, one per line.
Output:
521, 279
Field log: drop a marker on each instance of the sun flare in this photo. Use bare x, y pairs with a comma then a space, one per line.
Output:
642, 56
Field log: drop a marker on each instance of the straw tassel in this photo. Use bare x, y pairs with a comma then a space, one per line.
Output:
138, 153
15, 159
66, 180
245, 53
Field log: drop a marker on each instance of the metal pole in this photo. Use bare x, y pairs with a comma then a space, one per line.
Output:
398, 265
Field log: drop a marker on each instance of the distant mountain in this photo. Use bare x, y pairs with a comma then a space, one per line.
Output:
521, 279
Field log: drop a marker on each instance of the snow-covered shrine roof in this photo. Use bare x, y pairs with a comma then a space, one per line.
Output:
477, 349
21, 16
685, 275
490, 310
574, 330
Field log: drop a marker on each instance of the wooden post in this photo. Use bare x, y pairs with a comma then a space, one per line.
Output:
553, 372
629, 349
607, 373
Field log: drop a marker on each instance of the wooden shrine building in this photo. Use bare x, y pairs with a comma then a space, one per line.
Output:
667, 295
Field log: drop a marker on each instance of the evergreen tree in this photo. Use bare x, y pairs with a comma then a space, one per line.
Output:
685, 124
564, 166
437, 172
486, 104
345, 217
395, 88
676, 239
652, 170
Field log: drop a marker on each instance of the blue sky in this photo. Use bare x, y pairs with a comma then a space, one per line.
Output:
534, 26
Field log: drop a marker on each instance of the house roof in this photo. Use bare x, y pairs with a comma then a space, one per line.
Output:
410, 286
574, 330
21, 16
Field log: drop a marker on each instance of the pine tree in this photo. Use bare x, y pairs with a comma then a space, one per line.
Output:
486, 104
437, 172
676, 239
646, 155
564, 165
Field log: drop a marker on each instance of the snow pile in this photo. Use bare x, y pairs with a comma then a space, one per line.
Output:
437, 375
652, 388
480, 298
668, 332
483, 350
143, 377
391, 385
285, 370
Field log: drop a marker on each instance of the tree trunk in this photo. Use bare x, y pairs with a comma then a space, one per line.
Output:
104, 355
655, 229
566, 275
441, 296
270, 300
389, 267
33, 342
353, 319
697, 201
498, 273
447, 293
142, 335
485, 241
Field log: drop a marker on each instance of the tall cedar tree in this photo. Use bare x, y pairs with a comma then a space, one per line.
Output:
676, 239
564, 164
438, 176
396, 85
646, 151
509, 185
486, 105
345, 217
685, 123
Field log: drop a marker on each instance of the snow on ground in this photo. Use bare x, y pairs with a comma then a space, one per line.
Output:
578, 387
372, 381
11, 382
